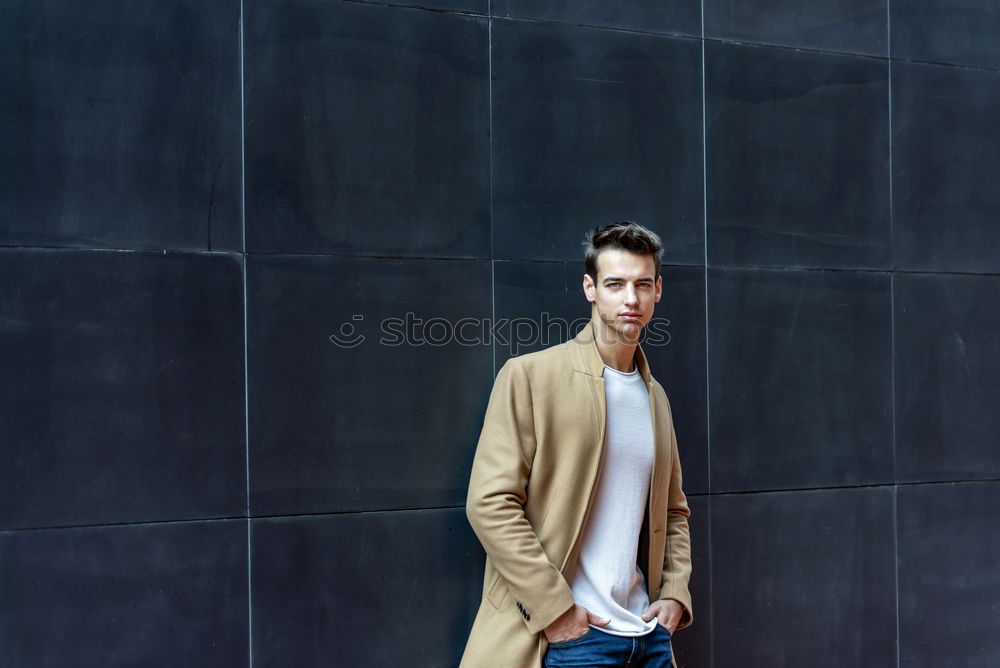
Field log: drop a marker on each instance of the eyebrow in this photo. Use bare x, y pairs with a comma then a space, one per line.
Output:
616, 278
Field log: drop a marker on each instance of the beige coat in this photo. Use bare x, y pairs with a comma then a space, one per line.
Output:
533, 479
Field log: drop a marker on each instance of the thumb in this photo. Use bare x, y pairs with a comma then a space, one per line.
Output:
597, 621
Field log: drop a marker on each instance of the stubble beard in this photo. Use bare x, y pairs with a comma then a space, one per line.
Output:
613, 330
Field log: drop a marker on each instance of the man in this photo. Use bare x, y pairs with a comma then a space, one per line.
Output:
576, 492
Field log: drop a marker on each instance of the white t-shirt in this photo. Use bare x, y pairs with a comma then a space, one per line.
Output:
607, 580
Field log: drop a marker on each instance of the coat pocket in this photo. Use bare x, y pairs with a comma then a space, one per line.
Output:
497, 591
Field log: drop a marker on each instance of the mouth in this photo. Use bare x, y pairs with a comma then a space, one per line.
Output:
631, 317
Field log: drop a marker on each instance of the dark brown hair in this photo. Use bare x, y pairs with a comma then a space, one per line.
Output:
625, 235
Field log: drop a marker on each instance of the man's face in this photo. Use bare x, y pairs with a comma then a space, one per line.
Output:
624, 295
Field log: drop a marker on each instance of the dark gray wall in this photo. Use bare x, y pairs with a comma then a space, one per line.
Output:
196, 195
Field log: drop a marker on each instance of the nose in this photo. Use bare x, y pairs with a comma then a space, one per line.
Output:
631, 296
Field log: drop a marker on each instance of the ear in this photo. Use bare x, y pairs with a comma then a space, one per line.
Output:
659, 289
589, 289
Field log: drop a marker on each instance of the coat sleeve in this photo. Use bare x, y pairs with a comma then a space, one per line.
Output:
677, 555
496, 500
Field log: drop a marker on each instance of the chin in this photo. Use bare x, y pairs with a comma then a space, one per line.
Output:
630, 332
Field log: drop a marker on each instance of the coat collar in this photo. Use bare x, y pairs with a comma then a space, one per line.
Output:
587, 358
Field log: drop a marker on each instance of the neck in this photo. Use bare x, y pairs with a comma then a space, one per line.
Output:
618, 355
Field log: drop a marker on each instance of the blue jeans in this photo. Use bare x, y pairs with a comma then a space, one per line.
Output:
597, 649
